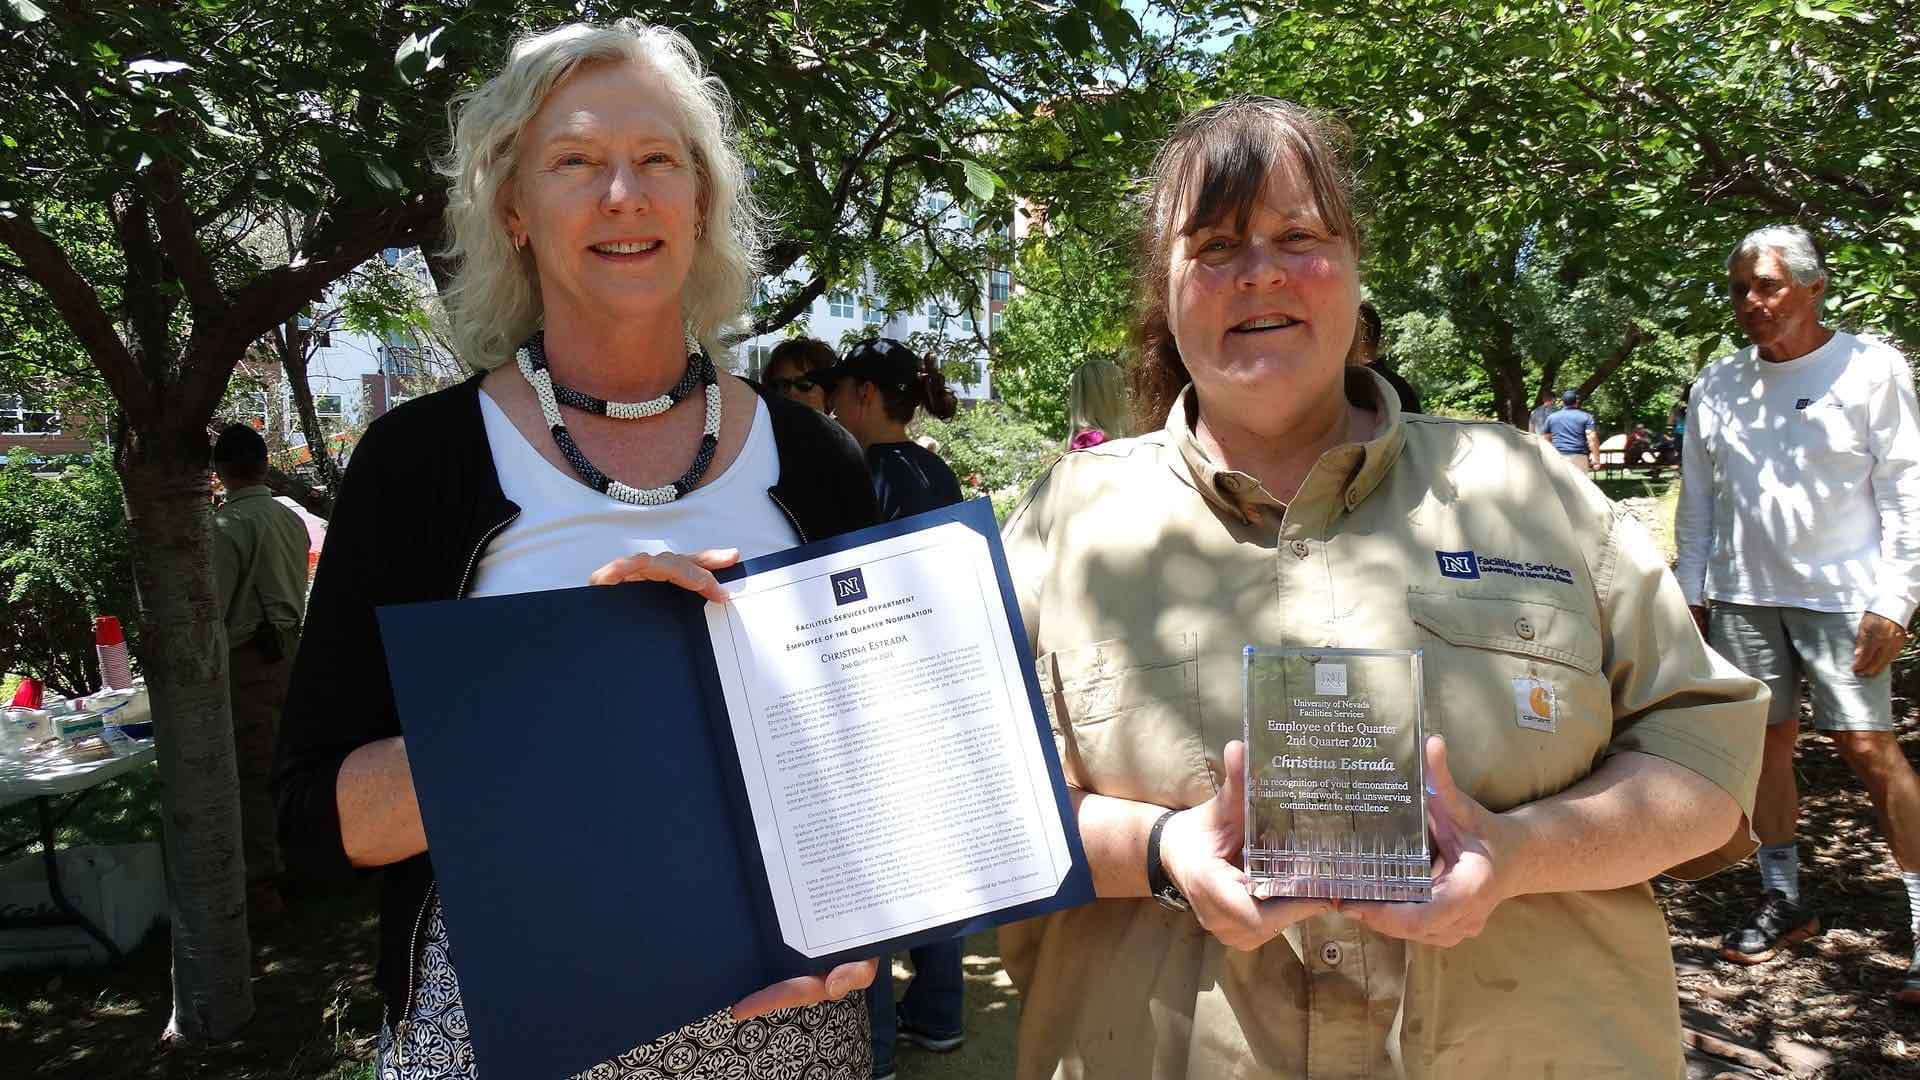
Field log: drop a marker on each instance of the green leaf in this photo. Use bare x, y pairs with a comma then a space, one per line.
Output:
383, 176
981, 181
1074, 33
416, 56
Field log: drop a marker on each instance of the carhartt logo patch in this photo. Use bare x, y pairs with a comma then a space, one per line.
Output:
1458, 564
1803, 403
1534, 704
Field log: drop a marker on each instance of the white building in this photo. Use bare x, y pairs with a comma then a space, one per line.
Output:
844, 312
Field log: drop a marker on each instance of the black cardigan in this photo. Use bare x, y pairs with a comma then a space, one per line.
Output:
420, 502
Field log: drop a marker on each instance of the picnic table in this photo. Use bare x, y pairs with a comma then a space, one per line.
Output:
42, 781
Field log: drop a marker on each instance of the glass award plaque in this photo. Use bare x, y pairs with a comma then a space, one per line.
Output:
1336, 795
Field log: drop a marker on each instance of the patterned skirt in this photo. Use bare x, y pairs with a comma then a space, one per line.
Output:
828, 1041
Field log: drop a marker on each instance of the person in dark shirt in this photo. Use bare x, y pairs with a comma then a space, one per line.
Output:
1371, 336
875, 393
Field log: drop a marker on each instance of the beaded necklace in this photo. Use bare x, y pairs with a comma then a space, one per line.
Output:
700, 372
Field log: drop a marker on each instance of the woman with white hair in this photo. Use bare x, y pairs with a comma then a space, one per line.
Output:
603, 238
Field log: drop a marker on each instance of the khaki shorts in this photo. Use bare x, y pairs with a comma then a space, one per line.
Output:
1579, 461
1781, 645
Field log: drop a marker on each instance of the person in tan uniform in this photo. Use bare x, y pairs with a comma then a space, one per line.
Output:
1587, 739
260, 575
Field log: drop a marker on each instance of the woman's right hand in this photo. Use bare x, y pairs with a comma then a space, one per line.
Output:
693, 573
1200, 849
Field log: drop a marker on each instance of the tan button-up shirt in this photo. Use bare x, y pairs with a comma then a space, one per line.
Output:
259, 564
1143, 568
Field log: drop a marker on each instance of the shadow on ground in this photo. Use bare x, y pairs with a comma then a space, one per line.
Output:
317, 1009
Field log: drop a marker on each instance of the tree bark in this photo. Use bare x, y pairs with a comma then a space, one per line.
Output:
169, 514
293, 345
1631, 339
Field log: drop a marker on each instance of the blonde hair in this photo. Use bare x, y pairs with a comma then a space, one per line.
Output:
1097, 398
493, 300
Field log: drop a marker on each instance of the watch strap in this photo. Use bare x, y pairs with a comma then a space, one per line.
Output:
1158, 883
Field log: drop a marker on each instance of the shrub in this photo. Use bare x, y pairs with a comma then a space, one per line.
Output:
65, 556
992, 450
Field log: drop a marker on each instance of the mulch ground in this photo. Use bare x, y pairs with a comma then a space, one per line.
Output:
1822, 1009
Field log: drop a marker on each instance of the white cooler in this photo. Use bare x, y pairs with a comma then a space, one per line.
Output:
121, 888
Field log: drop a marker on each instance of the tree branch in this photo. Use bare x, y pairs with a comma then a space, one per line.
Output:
174, 220
79, 306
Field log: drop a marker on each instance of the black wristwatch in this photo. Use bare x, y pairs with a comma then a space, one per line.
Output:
1158, 883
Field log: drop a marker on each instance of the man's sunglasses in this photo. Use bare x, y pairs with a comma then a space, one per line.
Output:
801, 384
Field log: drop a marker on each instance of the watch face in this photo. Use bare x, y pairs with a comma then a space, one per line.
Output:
1170, 897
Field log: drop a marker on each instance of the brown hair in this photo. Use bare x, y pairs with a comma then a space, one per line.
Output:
807, 355
1224, 155
926, 389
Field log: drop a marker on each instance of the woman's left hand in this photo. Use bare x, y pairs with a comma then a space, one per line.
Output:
1467, 878
693, 573
807, 990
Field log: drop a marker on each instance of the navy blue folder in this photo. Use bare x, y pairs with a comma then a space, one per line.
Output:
587, 818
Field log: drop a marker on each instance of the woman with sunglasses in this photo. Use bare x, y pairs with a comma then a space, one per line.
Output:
795, 370
874, 393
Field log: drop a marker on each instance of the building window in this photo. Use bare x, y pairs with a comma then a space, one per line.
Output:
327, 406
757, 357
876, 310
256, 409
402, 359
966, 320
390, 256
998, 321
934, 311
19, 418
840, 304
323, 339
999, 285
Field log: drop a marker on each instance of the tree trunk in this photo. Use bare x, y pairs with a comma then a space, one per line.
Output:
170, 516
293, 343
1632, 338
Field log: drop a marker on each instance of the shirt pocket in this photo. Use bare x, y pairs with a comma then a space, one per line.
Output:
1829, 433
1486, 655
1126, 714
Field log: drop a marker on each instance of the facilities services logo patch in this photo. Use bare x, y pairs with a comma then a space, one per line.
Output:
1469, 565
849, 586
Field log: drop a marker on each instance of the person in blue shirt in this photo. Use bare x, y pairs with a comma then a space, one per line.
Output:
1572, 433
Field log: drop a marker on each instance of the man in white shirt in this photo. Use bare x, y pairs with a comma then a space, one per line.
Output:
1799, 537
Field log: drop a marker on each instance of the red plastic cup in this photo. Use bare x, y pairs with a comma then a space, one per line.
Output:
111, 645
28, 695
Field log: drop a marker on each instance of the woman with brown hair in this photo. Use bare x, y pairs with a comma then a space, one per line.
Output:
1281, 497
798, 369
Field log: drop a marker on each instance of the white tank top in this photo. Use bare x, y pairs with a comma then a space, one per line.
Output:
566, 530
